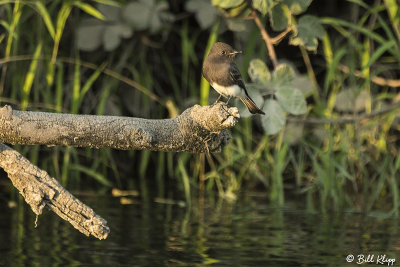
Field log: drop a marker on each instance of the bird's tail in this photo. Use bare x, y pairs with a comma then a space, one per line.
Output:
251, 106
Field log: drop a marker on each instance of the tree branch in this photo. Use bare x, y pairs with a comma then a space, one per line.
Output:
40, 190
197, 129
267, 39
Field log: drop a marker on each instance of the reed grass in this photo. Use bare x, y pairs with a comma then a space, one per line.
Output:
352, 166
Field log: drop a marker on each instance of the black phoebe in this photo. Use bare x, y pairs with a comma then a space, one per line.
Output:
223, 75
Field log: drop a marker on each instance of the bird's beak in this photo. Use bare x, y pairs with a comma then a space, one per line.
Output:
235, 52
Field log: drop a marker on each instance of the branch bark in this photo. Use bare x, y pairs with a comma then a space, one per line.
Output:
197, 129
40, 190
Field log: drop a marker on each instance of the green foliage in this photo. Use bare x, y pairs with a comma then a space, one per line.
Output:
204, 11
147, 15
275, 117
309, 30
227, 3
263, 5
297, 6
280, 85
145, 61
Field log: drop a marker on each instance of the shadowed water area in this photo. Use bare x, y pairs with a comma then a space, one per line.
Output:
245, 233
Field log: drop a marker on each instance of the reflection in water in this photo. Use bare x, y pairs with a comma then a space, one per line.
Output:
247, 233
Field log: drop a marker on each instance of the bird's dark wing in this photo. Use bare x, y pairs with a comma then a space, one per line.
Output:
236, 76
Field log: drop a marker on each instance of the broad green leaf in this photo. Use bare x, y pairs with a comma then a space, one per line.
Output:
283, 75
278, 17
304, 84
236, 25
89, 34
274, 118
262, 5
112, 35
205, 12
309, 30
147, 15
292, 100
226, 3
46, 17
111, 13
297, 6
259, 72
137, 14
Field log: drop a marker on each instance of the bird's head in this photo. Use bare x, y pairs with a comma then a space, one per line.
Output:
223, 51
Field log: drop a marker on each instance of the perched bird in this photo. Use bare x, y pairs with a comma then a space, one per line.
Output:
223, 75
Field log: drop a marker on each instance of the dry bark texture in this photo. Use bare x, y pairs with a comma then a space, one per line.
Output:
197, 129
40, 190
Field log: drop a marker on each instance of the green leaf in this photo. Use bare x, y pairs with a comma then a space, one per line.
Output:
112, 35
297, 6
309, 30
90, 81
92, 173
46, 17
108, 2
304, 84
89, 10
89, 34
262, 5
292, 100
274, 118
279, 18
147, 15
259, 72
205, 12
226, 3
283, 75
381, 50
236, 25
30, 76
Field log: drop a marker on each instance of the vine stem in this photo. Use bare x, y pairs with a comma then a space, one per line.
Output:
266, 37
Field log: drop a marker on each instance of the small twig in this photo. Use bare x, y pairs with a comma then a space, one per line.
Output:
347, 119
267, 39
277, 39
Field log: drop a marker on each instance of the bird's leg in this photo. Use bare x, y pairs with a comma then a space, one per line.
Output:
216, 101
229, 98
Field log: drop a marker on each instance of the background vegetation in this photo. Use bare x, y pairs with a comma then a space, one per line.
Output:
327, 74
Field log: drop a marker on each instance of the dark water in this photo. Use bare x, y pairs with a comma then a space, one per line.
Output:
245, 233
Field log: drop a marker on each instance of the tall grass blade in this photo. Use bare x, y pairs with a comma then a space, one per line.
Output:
89, 10
204, 85
46, 17
30, 76
92, 173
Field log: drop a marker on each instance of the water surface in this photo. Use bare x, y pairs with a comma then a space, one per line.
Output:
245, 233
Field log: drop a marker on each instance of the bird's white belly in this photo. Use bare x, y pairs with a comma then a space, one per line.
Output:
233, 90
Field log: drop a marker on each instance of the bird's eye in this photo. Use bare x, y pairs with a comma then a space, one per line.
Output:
223, 52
